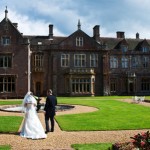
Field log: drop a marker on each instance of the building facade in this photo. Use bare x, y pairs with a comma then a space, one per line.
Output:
75, 65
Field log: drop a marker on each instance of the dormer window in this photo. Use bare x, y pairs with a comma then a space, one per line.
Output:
79, 41
124, 48
145, 49
5, 40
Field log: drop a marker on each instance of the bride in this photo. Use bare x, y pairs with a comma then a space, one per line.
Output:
32, 127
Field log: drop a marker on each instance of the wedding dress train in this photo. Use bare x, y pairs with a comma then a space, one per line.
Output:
32, 127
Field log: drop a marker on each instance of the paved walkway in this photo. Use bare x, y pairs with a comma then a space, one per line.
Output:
62, 140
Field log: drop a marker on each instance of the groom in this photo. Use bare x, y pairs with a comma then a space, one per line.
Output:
51, 102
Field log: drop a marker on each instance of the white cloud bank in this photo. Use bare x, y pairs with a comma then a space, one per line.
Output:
34, 16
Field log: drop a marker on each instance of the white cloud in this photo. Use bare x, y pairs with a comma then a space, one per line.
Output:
28, 26
34, 16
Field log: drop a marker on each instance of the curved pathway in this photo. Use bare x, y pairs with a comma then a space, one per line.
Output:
62, 140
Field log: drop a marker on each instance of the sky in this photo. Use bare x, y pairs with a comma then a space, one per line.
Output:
34, 16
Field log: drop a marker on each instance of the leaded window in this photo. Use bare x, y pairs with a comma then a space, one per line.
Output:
65, 60
124, 48
113, 85
93, 60
145, 84
79, 41
81, 85
80, 60
134, 62
5, 40
145, 49
38, 62
5, 60
113, 62
7, 84
124, 62
145, 62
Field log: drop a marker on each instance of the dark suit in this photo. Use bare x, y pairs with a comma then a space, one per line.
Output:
51, 102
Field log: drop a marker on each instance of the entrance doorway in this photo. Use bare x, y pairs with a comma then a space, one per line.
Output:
131, 87
38, 89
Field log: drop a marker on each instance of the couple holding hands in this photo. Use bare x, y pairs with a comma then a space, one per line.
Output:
32, 127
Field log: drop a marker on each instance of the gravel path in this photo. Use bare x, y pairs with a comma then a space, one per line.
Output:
62, 140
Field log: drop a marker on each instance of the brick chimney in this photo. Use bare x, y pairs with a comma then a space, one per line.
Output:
137, 36
96, 34
120, 34
50, 31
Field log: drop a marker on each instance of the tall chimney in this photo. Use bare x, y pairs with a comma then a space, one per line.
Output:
137, 35
120, 34
96, 34
50, 31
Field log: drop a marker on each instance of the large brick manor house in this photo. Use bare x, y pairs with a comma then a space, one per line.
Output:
76, 65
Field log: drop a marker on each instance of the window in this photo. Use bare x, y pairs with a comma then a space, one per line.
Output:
134, 62
38, 62
124, 62
113, 85
80, 60
145, 49
64, 60
7, 84
81, 85
113, 62
79, 41
145, 84
5, 61
5, 40
145, 62
124, 48
93, 60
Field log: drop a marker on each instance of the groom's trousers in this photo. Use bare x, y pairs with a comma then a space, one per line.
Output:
51, 118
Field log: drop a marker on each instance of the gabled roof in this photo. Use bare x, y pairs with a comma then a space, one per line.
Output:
113, 43
70, 41
6, 21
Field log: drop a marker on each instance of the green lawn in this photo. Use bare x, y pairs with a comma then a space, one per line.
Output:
10, 123
112, 115
10, 102
5, 147
97, 146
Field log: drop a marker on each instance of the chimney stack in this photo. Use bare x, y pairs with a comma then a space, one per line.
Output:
120, 34
137, 36
50, 31
96, 34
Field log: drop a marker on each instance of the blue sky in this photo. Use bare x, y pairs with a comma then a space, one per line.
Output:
34, 16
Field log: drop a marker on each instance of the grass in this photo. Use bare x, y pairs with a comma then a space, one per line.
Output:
10, 123
10, 102
112, 115
5, 147
96, 146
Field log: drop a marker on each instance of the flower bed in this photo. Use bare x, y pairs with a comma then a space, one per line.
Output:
141, 141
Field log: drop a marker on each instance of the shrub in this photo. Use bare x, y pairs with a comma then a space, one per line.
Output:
142, 141
139, 141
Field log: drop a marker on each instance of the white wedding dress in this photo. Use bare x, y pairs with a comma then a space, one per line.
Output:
32, 127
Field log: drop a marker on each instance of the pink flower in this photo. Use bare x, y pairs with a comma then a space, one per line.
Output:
142, 144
